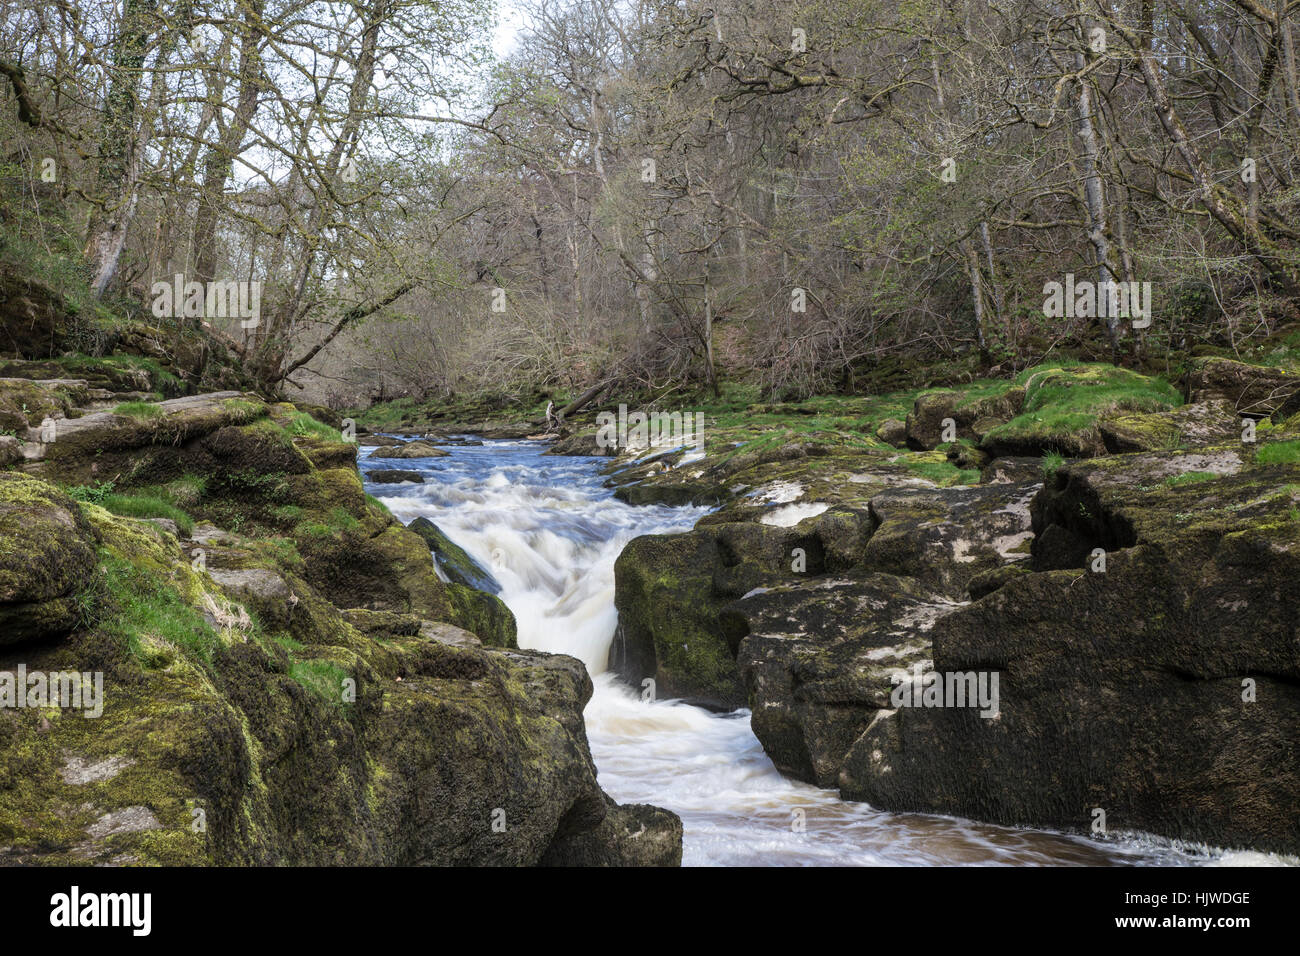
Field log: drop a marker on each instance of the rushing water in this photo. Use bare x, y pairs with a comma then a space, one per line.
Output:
550, 532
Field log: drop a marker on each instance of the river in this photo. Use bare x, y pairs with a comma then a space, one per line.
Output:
550, 532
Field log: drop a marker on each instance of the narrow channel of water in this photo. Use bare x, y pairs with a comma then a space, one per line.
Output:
550, 532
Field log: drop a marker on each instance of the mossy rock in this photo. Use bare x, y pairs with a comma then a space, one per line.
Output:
484, 615
414, 449
34, 318
1202, 423
1155, 684
47, 561
1250, 389
1063, 406
452, 559
26, 404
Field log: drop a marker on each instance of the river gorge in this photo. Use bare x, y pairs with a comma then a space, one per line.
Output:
550, 531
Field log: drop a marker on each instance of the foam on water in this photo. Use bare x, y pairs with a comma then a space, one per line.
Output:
550, 532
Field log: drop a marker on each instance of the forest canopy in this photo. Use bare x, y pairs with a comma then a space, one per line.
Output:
659, 194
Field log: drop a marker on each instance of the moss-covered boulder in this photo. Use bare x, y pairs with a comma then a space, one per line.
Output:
246, 718
414, 449
483, 614
1063, 407
124, 441
1252, 390
47, 561
453, 561
634, 834
581, 443
34, 318
25, 404
1209, 422
669, 590
925, 422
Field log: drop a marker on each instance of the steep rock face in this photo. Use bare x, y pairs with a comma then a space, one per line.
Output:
686, 601
280, 684
1162, 690
818, 658
669, 590
821, 656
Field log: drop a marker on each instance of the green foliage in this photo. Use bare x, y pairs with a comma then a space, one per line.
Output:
92, 494
303, 425
245, 411
142, 605
1052, 463
145, 505
323, 678
1069, 398
1279, 453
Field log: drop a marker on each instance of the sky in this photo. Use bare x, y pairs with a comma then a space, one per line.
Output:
509, 20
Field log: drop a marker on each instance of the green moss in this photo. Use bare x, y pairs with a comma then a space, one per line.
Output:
1063, 402
139, 410
1052, 461
323, 678
1279, 453
341, 519
187, 491
289, 514
244, 411
934, 466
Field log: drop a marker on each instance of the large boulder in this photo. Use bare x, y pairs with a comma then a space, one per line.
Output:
1208, 422
634, 834
295, 731
34, 318
669, 590
1158, 687
1063, 408
817, 660
47, 561
971, 418
1250, 389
